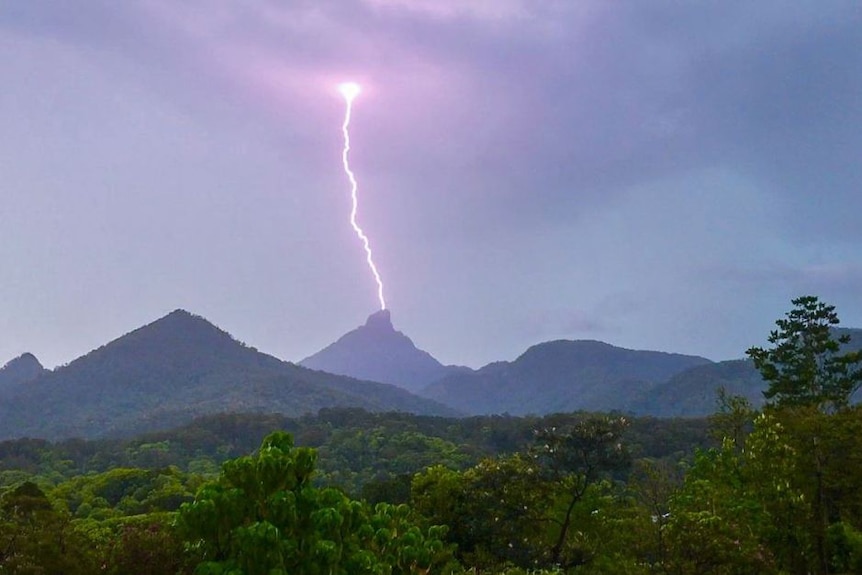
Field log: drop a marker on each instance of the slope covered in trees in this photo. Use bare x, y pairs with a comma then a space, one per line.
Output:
178, 367
560, 376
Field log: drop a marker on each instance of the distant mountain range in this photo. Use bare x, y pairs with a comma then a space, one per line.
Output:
561, 376
555, 376
181, 366
166, 373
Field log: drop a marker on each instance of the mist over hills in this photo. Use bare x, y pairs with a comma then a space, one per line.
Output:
376, 351
172, 370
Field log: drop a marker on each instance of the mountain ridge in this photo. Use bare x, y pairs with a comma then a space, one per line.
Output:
182, 366
173, 369
560, 375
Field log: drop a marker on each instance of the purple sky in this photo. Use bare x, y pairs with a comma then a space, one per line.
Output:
654, 174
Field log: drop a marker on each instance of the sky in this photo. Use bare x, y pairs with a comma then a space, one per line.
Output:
655, 174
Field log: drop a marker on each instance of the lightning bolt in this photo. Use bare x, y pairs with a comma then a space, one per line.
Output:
350, 90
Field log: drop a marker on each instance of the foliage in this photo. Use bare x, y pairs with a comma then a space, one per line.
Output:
522, 509
732, 420
388, 445
806, 366
573, 460
126, 491
264, 516
37, 538
145, 545
352, 459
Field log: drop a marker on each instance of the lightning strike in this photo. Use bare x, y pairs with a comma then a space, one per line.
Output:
350, 90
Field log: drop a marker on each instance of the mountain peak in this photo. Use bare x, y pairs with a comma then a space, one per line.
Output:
22, 369
25, 359
380, 321
376, 351
181, 324
179, 312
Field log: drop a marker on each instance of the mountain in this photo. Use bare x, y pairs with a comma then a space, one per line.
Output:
693, 393
178, 367
22, 369
377, 352
559, 376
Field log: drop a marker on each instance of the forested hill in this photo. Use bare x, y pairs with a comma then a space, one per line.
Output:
561, 376
692, 393
172, 370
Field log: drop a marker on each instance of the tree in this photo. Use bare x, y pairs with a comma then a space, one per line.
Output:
810, 377
144, 545
494, 511
541, 508
574, 459
264, 517
806, 366
715, 523
733, 419
37, 538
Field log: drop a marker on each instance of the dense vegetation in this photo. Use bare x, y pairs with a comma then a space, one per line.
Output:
346, 491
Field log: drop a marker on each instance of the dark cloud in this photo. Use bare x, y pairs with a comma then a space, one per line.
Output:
666, 174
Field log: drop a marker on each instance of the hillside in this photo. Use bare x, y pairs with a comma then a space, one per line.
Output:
560, 376
22, 369
172, 370
693, 392
377, 352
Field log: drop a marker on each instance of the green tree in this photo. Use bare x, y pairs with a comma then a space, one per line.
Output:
810, 378
495, 511
264, 517
144, 545
539, 508
37, 538
573, 460
806, 365
732, 420
651, 486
